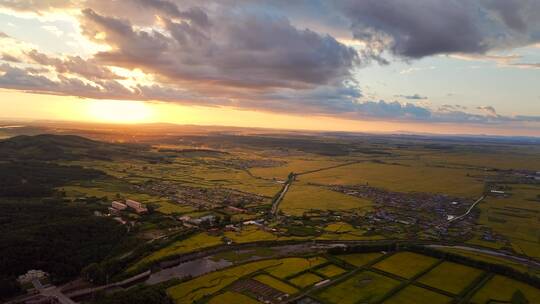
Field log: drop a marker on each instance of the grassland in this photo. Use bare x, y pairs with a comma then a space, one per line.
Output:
305, 279
291, 266
193, 290
302, 197
502, 289
413, 294
330, 271
276, 284
450, 277
359, 259
363, 287
232, 297
405, 264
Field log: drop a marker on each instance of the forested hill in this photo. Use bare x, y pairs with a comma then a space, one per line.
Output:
48, 147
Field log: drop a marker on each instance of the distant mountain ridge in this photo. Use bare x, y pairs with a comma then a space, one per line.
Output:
48, 147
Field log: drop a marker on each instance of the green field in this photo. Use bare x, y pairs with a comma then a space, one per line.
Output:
305, 279
330, 270
359, 259
502, 289
405, 264
450, 277
413, 294
363, 287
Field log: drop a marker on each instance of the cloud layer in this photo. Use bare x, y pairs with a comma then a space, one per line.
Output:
280, 56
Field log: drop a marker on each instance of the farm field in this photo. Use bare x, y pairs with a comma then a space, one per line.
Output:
232, 297
412, 294
450, 277
305, 279
515, 218
359, 259
363, 287
302, 197
502, 289
197, 288
404, 176
405, 264
291, 266
330, 270
276, 284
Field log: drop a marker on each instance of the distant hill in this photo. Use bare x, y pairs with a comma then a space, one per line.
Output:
47, 147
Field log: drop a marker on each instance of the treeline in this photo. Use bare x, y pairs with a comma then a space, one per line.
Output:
38, 179
55, 237
452, 257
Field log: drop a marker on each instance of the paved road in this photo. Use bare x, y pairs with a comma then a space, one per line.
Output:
275, 205
468, 210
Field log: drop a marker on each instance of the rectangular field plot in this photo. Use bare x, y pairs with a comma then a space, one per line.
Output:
330, 271
276, 284
363, 287
193, 290
291, 266
412, 294
405, 264
305, 279
359, 259
301, 198
501, 290
450, 277
232, 297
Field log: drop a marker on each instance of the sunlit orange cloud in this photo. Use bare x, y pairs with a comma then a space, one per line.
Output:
27, 106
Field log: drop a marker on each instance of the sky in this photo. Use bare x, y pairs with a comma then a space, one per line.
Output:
433, 66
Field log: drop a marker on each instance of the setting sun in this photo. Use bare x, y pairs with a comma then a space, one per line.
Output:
119, 111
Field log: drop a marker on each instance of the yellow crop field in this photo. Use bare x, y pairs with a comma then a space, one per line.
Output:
305, 279
192, 290
363, 287
195, 242
301, 198
407, 177
450, 277
232, 297
359, 259
276, 284
294, 165
501, 289
291, 266
411, 294
330, 270
405, 264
